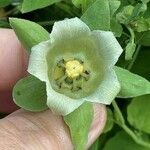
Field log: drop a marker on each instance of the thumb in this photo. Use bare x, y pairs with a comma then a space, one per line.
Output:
44, 130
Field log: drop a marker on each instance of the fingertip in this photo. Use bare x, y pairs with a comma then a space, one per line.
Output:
13, 59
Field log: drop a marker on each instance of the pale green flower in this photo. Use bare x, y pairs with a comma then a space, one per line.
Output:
77, 66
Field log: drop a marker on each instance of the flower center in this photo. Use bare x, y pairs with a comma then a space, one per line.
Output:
70, 75
73, 68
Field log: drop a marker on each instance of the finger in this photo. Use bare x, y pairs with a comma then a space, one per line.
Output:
40, 131
6, 103
13, 63
13, 59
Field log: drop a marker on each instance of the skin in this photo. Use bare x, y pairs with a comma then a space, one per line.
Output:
26, 130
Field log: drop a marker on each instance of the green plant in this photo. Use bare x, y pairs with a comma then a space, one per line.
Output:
129, 20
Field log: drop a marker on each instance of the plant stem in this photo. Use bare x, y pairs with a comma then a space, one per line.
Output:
131, 33
116, 108
125, 34
10, 12
121, 122
135, 137
134, 58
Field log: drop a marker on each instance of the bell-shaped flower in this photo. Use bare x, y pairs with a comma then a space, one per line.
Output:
77, 66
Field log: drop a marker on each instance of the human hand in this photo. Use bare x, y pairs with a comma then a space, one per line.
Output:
24, 130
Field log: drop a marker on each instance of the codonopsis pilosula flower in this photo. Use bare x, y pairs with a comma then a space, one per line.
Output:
77, 66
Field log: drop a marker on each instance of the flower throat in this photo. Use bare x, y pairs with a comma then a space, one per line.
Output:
71, 74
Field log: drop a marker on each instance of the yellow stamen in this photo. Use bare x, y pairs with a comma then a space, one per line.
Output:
74, 68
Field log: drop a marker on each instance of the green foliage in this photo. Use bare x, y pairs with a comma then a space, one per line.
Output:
4, 3
110, 121
98, 19
30, 5
84, 4
147, 12
79, 123
145, 1
141, 25
121, 141
129, 20
116, 27
29, 33
138, 113
138, 11
141, 64
4, 24
30, 94
114, 5
143, 38
95, 146
132, 85
130, 49
124, 15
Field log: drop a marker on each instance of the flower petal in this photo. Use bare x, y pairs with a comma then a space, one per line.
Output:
61, 104
69, 29
37, 62
107, 90
108, 46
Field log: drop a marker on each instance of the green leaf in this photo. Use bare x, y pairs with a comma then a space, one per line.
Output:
124, 14
121, 141
77, 3
30, 94
141, 25
95, 145
4, 23
79, 123
101, 141
130, 13
143, 38
129, 50
147, 12
114, 5
110, 121
132, 85
138, 11
116, 27
83, 3
124, 3
145, 1
138, 113
29, 33
30, 5
4, 3
97, 16
141, 64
